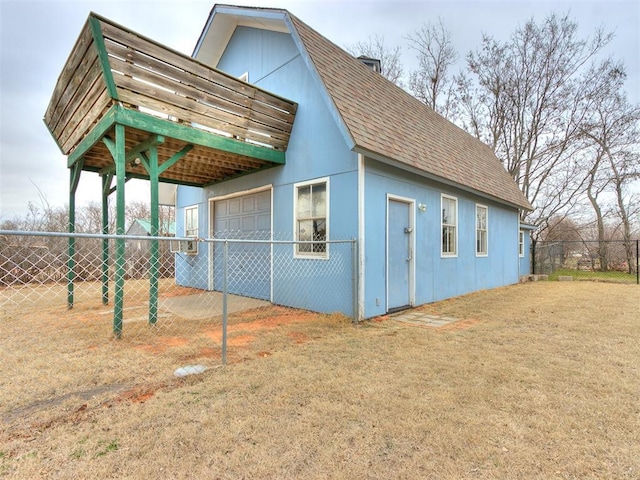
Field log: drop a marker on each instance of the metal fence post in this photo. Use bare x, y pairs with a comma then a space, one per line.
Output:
225, 251
638, 262
354, 277
533, 256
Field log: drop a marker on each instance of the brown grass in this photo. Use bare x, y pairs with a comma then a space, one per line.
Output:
535, 381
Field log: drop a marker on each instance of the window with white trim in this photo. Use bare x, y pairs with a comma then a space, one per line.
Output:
191, 221
482, 249
449, 226
311, 217
521, 243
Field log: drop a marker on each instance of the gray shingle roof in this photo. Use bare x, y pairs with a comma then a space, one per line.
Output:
384, 119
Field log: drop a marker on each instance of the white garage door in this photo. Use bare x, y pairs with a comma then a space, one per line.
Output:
248, 216
249, 264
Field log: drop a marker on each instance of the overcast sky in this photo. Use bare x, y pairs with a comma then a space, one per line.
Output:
36, 38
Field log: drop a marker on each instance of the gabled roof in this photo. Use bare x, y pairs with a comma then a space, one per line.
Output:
389, 124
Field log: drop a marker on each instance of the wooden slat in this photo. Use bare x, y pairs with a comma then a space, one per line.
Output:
87, 71
93, 76
237, 162
66, 76
209, 155
258, 120
192, 111
207, 174
171, 146
142, 121
149, 75
204, 167
132, 75
189, 64
175, 74
78, 120
101, 128
94, 113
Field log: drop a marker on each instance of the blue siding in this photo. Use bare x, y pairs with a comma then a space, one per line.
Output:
316, 149
525, 261
436, 277
189, 271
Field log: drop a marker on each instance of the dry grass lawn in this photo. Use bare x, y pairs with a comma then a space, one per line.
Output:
536, 381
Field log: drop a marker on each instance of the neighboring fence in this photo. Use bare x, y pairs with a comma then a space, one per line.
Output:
610, 261
193, 289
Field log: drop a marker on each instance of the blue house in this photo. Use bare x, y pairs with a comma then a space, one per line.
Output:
433, 210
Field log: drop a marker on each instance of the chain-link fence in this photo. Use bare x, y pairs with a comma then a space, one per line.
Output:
152, 290
89, 317
606, 261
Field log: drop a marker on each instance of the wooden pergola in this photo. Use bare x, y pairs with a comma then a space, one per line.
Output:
127, 107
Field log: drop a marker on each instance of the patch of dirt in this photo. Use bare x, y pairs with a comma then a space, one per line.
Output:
240, 340
298, 337
140, 393
53, 402
163, 344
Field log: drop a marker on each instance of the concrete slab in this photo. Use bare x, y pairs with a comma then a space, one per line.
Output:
418, 318
208, 304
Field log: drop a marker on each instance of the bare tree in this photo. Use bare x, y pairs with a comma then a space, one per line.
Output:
432, 83
390, 64
527, 98
612, 129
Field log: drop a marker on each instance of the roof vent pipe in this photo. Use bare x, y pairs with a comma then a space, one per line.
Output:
372, 63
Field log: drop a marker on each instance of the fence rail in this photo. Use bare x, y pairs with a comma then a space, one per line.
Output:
168, 288
605, 261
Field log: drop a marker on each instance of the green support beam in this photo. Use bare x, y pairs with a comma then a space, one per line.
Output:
152, 141
94, 136
119, 159
103, 56
159, 126
74, 179
106, 190
110, 129
174, 158
151, 164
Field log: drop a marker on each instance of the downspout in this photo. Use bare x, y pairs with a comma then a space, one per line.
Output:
361, 235
518, 250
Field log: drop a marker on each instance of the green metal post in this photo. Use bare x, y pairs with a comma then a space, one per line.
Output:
155, 231
106, 185
119, 159
72, 241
